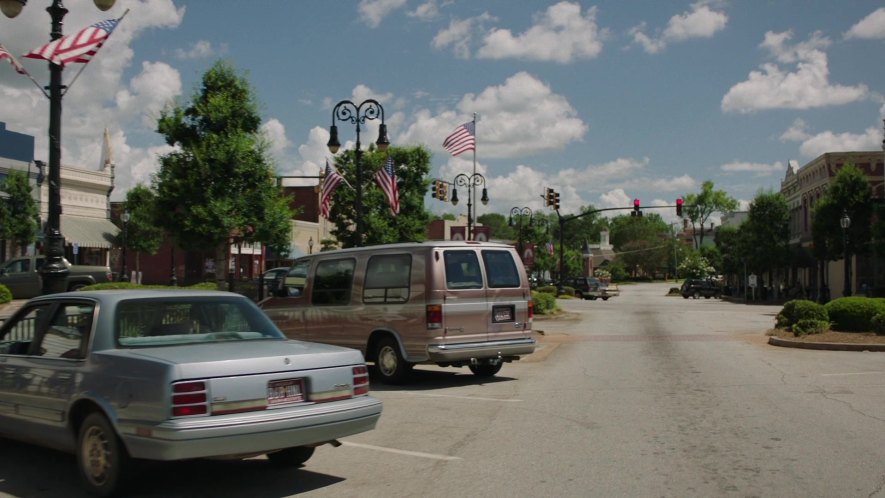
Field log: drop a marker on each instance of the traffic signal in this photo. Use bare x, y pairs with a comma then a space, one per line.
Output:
636, 211
556, 201
548, 199
434, 189
443, 191
679, 207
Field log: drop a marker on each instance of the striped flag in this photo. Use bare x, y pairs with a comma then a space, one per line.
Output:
386, 178
79, 47
462, 139
4, 54
331, 180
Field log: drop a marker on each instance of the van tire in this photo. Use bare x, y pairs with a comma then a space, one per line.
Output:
485, 369
389, 362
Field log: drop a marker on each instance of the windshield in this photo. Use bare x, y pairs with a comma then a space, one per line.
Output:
173, 321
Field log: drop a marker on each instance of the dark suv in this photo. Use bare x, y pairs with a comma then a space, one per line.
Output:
695, 287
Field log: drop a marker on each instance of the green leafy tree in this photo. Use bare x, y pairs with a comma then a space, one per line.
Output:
639, 244
500, 227
700, 206
218, 185
379, 226
18, 211
142, 233
696, 266
768, 232
849, 193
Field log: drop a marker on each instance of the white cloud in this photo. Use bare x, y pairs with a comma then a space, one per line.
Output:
519, 117
871, 27
870, 139
426, 11
700, 22
276, 134
200, 50
806, 88
561, 34
372, 12
797, 132
459, 34
759, 169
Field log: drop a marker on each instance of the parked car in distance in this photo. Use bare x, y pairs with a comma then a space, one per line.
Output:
22, 276
592, 288
447, 303
270, 278
113, 376
697, 288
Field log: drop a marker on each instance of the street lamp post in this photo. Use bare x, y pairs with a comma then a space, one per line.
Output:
54, 272
845, 222
357, 114
520, 213
124, 271
470, 181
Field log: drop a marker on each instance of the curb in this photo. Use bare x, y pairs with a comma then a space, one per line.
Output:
825, 346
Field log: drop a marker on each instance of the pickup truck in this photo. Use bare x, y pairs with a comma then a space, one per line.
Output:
592, 288
22, 276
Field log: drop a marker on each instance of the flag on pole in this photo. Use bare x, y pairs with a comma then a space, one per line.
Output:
331, 180
4, 54
462, 139
79, 47
386, 178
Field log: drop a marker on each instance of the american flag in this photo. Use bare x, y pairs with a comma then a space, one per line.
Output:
79, 47
462, 139
386, 178
330, 181
4, 54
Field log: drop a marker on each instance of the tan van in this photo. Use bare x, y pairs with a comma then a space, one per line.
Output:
444, 303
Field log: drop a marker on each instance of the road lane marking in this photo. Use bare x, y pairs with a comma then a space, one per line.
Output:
401, 452
476, 398
851, 373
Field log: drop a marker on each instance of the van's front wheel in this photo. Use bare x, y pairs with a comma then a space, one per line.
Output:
389, 361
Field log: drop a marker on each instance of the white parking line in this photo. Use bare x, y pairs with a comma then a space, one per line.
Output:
401, 452
474, 398
851, 373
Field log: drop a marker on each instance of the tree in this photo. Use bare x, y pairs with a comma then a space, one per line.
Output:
379, 226
638, 242
768, 233
218, 186
696, 266
499, 226
849, 193
700, 206
142, 232
19, 220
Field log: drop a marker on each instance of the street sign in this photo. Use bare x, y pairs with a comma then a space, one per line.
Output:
76, 248
752, 280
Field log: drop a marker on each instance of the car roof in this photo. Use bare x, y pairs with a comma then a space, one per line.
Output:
116, 295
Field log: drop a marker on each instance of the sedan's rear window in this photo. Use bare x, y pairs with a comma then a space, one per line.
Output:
164, 322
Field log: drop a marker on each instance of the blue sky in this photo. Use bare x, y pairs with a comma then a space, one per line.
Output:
603, 101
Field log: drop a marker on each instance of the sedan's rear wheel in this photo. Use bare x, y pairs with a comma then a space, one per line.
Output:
291, 457
389, 361
101, 457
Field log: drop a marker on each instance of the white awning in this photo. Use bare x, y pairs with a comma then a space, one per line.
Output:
89, 232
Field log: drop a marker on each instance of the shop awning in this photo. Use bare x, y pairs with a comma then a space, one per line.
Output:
89, 232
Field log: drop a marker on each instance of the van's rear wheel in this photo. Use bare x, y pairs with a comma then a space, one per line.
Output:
389, 361
486, 369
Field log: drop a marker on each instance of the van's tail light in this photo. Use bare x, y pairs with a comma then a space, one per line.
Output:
531, 309
189, 398
360, 380
434, 316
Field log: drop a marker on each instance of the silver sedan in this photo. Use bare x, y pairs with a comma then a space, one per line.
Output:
113, 376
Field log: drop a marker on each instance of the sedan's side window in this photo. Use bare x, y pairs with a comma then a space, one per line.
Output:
20, 334
67, 334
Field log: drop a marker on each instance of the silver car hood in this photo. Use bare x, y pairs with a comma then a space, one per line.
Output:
250, 357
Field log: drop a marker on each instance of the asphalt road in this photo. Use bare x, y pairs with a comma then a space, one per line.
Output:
641, 395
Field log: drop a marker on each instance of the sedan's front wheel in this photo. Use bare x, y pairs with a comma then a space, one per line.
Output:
101, 457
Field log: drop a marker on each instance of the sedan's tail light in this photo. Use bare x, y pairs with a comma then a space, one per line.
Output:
189, 398
360, 380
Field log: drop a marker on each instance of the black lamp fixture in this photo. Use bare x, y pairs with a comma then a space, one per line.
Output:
470, 181
124, 271
54, 272
358, 114
845, 222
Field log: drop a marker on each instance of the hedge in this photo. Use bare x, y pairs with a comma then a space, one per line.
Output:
5, 294
800, 309
854, 314
545, 302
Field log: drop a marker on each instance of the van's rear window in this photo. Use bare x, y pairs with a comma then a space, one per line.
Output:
462, 270
501, 269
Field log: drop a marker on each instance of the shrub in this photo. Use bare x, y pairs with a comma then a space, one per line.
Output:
854, 314
800, 309
545, 302
549, 289
878, 322
568, 291
674, 291
808, 326
5, 294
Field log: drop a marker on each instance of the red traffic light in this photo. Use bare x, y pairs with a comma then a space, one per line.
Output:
679, 202
679, 207
635, 203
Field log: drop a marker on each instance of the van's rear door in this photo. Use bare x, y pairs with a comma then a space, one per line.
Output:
507, 295
465, 309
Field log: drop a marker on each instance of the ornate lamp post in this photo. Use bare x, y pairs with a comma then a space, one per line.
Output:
54, 271
357, 114
845, 222
470, 181
124, 271
520, 213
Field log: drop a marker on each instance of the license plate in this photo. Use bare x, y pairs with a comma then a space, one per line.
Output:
285, 391
503, 313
